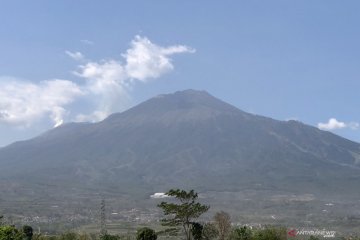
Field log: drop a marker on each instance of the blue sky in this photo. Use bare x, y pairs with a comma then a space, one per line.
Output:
63, 61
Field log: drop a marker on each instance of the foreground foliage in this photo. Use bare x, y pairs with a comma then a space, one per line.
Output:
12, 233
237, 233
146, 234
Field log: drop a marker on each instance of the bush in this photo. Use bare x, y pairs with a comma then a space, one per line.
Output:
242, 233
10, 233
196, 231
28, 232
110, 237
146, 234
270, 233
210, 231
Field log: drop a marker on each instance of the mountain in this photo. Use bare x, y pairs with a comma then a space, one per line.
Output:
188, 139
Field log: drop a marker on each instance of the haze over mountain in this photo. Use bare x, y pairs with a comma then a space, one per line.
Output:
188, 139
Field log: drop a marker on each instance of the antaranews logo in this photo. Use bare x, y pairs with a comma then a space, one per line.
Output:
292, 233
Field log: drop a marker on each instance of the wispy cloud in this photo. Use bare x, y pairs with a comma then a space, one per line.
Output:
334, 124
353, 125
88, 42
106, 87
78, 56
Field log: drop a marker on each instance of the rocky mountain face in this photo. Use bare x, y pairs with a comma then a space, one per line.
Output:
188, 139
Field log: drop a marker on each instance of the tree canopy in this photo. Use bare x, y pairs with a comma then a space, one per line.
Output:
184, 211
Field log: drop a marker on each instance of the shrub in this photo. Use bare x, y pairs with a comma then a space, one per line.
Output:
270, 233
196, 231
10, 233
242, 233
210, 231
146, 234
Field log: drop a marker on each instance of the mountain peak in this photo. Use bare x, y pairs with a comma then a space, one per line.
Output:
189, 95
179, 106
186, 93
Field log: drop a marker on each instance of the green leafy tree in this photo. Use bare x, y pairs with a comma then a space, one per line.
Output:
146, 234
182, 213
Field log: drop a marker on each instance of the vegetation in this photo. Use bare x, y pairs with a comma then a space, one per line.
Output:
237, 233
210, 231
28, 232
146, 234
183, 210
223, 223
196, 231
242, 233
183, 213
108, 237
270, 233
10, 233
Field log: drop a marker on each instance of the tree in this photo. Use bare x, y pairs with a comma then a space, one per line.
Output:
223, 224
146, 234
210, 231
28, 232
196, 231
185, 212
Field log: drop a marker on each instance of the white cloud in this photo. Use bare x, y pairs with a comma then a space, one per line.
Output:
106, 89
111, 80
145, 60
333, 124
78, 56
22, 103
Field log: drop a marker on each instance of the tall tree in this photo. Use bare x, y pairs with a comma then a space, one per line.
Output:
223, 224
183, 213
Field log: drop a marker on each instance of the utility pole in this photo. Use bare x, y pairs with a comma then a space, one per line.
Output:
103, 231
